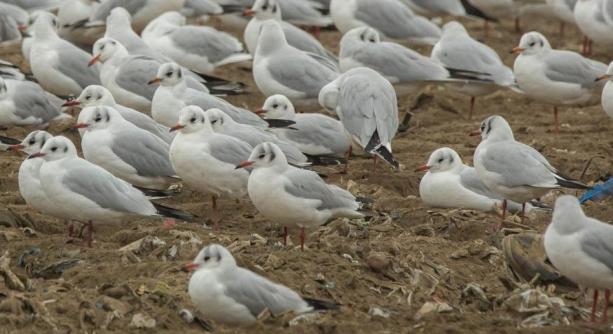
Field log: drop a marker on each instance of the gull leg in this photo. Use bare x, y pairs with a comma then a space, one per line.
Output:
556, 120
302, 239
215, 216
607, 297
594, 303
315, 31
349, 151
70, 230
90, 234
589, 47
504, 213
523, 212
472, 107
284, 235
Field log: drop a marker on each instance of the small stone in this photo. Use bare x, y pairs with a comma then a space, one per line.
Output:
379, 312
431, 307
306, 318
274, 262
28, 232
378, 261
140, 320
186, 315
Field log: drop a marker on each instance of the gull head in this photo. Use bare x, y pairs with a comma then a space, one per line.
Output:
93, 95
168, 75
45, 24
211, 257
3, 89
173, 18
56, 148
33, 142
453, 28
105, 48
271, 38
567, 215
266, 154
532, 43
191, 119
362, 34
218, 119
99, 117
265, 10
442, 160
495, 128
119, 17
277, 107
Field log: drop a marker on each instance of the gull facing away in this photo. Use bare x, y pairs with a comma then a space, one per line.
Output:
607, 91
263, 10
366, 104
199, 48
449, 183
313, 134
232, 295
25, 103
126, 151
59, 66
481, 65
88, 192
95, 96
173, 94
279, 68
556, 77
579, 247
591, 18
393, 19
205, 160
294, 197
513, 170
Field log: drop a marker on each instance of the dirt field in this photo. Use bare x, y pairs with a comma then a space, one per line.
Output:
408, 269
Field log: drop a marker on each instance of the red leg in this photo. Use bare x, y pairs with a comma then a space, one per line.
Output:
90, 234
215, 213
284, 235
315, 31
556, 120
595, 302
589, 47
70, 230
472, 107
302, 238
349, 151
607, 297
523, 212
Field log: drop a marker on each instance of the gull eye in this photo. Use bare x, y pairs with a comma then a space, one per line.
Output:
88, 97
274, 9
168, 74
214, 121
207, 258
531, 43
192, 120
275, 106
441, 160
372, 39
98, 119
113, 42
265, 7
262, 156
54, 148
32, 141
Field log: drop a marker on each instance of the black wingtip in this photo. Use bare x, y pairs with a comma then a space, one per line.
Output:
279, 123
571, 184
173, 213
9, 140
321, 305
157, 193
322, 160
476, 12
386, 155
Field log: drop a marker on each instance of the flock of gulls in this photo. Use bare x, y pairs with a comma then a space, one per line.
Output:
153, 114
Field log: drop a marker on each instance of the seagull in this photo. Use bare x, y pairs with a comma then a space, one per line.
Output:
72, 12
556, 77
25, 103
513, 170
199, 48
86, 192
126, 76
232, 295
119, 28
205, 160
366, 104
437, 7
263, 10
224, 124
579, 247
173, 94
198, 8
607, 91
313, 134
94, 96
307, 13
449, 183
9, 70
564, 11
59, 66
279, 68
590, 16
18, 16
35, 5
392, 18
126, 151
294, 197
482, 67
7, 142
9, 30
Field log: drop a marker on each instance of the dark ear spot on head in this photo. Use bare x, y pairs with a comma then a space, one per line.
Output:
450, 158
489, 126
180, 74
108, 117
542, 44
362, 35
218, 257
274, 8
272, 155
65, 149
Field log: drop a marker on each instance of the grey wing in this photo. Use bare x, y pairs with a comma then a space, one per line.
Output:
134, 75
144, 151
300, 11
471, 181
394, 19
228, 149
519, 165
105, 7
258, 293
31, 100
607, 9
203, 7
213, 44
303, 74
566, 66
207, 101
107, 191
302, 40
596, 242
368, 105
72, 62
307, 184
8, 29
146, 123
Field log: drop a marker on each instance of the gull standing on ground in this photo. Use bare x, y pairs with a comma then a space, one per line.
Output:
232, 295
263, 10
607, 91
126, 151
86, 192
366, 104
205, 160
449, 183
564, 11
580, 248
25, 103
59, 66
556, 77
173, 94
591, 20
483, 67
513, 170
294, 197
313, 134
279, 68
94, 96
199, 48
392, 18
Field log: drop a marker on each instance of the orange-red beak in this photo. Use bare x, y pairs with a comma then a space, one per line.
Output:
94, 60
22, 27
36, 155
177, 127
423, 168
517, 50
80, 126
475, 133
261, 111
191, 266
603, 77
154, 81
249, 12
16, 147
244, 164
71, 103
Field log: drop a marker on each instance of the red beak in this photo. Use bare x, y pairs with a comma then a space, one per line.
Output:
17, 147
71, 103
36, 155
603, 77
475, 133
80, 126
94, 60
177, 127
261, 111
244, 164
423, 168
154, 81
191, 266
517, 50
22, 27
249, 12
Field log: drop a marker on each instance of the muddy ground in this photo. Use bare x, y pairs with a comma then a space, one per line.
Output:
382, 271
